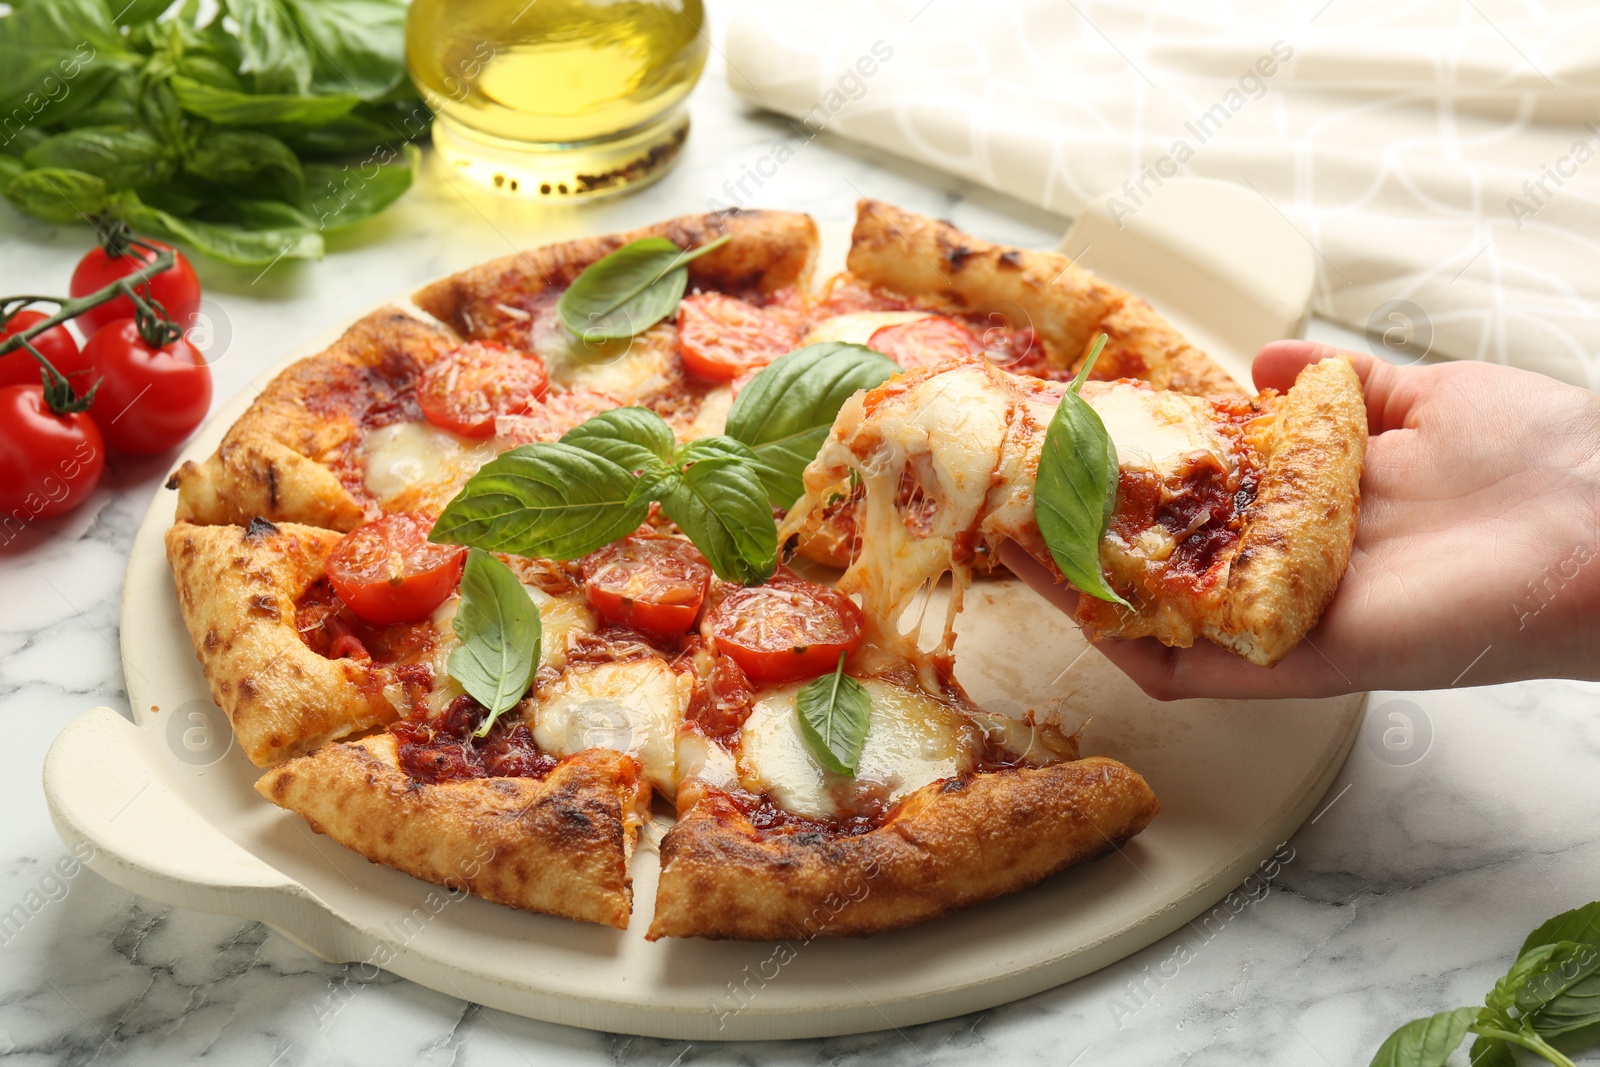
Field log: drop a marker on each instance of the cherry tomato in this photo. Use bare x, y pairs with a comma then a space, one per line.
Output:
49, 463
388, 571
176, 288
722, 337
150, 398
925, 342
787, 629
56, 344
467, 390
654, 584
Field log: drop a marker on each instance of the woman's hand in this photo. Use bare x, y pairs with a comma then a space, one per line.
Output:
1477, 557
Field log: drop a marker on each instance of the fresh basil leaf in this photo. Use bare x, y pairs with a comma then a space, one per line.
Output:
276, 59
1565, 965
1580, 924
341, 196
629, 290
10, 167
57, 195
226, 107
245, 158
785, 412
47, 47
1076, 488
715, 496
230, 242
835, 711
1490, 1052
546, 500
357, 46
1425, 1042
135, 11
125, 157
499, 630
1576, 1008
634, 438
1504, 994
209, 71
113, 103
357, 133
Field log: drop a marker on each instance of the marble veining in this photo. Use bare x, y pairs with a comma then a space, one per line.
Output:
1406, 894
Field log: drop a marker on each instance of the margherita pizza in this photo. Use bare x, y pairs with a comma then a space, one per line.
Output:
482, 580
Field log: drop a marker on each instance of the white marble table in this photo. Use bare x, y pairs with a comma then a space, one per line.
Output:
1406, 895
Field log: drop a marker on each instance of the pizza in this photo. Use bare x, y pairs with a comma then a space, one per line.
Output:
504, 569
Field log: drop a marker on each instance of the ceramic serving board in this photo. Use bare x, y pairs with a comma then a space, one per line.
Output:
166, 805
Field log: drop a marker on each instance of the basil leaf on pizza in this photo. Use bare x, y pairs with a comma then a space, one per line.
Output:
499, 630
715, 496
1076, 489
785, 412
629, 290
835, 711
545, 500
634, 438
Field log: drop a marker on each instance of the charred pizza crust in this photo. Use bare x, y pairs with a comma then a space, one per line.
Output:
237, 591
950, 845
769, 250
273, 463
558, 845
932, 262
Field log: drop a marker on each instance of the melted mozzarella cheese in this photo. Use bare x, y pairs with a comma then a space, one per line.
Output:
912, 739
406, 460
634, 706
560, 619
630, 367
857, 327
712, 416
1155, 431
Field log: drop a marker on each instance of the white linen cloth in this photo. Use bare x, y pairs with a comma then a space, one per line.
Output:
1444, 154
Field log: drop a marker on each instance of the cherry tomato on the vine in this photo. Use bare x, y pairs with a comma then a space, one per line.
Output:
177, 289
49, 463
150, 399
56, 344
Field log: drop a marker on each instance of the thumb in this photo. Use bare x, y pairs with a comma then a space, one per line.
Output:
1278, 364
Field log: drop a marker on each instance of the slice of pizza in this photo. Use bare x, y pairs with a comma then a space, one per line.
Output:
1234, 517
944, 806
399, 412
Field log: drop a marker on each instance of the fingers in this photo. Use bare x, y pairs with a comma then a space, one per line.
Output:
1389, 400
1202, 671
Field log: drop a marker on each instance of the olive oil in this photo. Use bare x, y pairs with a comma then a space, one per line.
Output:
560, 99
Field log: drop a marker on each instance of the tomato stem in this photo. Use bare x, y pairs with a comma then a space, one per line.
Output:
59, 396
68, 309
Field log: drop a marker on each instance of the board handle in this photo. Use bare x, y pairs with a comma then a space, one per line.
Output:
118, 814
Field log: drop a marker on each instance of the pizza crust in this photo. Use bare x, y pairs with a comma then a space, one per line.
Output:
934, 263
273, 461
558, 845
1297, 540
770, 250
951, 844
237, 588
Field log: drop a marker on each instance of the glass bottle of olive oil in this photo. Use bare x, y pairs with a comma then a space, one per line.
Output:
557, 99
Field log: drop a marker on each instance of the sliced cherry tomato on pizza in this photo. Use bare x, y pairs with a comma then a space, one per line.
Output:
49, 463
388, 571
18, 367
654, 584
787, 629
925, 342
722, 337
477, 383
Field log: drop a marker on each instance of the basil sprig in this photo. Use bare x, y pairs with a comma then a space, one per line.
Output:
1076, 488
1553, 989
629, 290
835, 711
499, 630
785, 412
564, 499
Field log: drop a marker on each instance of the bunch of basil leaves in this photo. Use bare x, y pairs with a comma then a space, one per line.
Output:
247, 137
1551, 993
